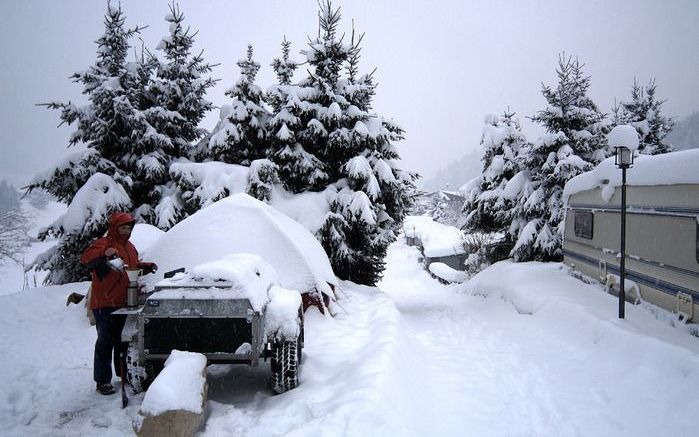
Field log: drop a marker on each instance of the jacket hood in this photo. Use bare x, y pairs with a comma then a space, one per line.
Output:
117, 219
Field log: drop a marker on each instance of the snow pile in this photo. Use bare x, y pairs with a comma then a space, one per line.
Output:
210, 180
623, 136
446, 273
307, 208
94, 201
177, 387
242, 224
236, 276
143, 236
664, 169
281, 317
437, 239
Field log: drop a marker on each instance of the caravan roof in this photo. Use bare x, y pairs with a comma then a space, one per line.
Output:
666, 169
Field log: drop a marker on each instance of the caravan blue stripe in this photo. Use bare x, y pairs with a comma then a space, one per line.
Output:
649, 281
639, 209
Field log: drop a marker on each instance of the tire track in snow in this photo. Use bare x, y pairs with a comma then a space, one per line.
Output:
350, 384
480, 384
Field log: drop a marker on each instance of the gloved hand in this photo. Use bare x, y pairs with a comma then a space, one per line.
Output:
148, 267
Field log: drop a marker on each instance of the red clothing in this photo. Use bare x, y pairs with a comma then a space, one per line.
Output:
110, 290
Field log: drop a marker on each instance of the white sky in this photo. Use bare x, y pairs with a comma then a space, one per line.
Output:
440, 65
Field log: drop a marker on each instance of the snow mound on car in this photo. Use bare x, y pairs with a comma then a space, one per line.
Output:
242, 224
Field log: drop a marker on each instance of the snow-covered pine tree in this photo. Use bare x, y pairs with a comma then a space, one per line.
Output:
241, 135
644, 112
298, 169
370, 193
264, 174
488, 206
177, 104
96, 181
573, 142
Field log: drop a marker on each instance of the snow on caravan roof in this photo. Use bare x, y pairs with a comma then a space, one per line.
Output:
666, 169
242, 224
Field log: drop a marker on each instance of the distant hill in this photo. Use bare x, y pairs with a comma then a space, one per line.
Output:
455, 174
685, 134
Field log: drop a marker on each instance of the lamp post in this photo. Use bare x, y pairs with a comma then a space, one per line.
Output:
623, 160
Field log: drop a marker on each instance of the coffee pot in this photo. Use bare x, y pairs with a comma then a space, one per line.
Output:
132, 290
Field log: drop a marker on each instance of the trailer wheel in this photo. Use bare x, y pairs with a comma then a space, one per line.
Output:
140, 377
285, 366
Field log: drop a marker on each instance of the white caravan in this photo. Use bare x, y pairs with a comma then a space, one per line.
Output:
662, 229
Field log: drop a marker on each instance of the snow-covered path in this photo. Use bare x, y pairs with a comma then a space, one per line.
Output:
502, 369
484, 385
519, 350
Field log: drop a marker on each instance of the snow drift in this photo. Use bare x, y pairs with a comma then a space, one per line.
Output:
242, 224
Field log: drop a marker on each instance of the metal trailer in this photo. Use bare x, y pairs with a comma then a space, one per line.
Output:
225, 330
662, 243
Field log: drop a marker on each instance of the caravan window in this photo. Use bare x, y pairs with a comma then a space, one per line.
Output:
583, 221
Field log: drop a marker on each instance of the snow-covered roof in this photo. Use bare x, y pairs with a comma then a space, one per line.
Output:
242, 224
665, 169
437, 239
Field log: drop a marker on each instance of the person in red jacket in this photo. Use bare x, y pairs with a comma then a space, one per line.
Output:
108, 294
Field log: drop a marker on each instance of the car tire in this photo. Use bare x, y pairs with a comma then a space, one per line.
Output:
284, 365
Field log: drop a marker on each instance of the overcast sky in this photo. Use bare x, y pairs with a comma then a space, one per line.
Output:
441, 65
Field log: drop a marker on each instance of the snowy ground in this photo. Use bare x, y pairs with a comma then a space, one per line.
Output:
518, 350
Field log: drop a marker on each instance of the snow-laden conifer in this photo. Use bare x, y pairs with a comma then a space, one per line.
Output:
489, 204
177, 104
108, 125
644, 112
264, 174
240, 137
370, 192
298, 170
573, 142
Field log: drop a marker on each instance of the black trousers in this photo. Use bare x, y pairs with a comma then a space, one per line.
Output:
108, 347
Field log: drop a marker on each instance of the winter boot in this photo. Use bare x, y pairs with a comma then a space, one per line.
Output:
105, 389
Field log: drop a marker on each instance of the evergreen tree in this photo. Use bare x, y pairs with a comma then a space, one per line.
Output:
97, 181
488, 206
177, 104
369, 193
573, 142
644, 112
241, 137
298, 169
264, 174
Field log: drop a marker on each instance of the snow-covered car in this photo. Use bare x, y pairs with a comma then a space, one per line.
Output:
242, 224
231, 310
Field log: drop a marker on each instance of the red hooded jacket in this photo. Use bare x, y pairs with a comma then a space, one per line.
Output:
110, 290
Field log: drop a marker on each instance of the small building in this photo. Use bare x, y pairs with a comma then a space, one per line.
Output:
662, 229
437, 242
